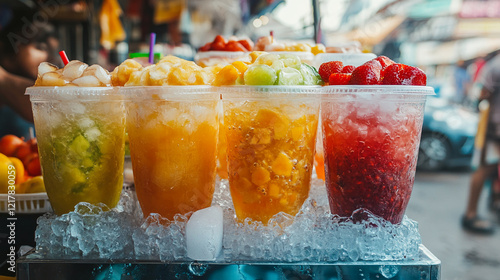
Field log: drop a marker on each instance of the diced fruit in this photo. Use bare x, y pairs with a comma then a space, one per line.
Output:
227, 76
260, 75
348, 69
297, 133
310, 75
366, 74
327, 68
79, 146
274, 190
282, 165
267, 59
290, 60
260, 176
400, 74
290, 76
339, 79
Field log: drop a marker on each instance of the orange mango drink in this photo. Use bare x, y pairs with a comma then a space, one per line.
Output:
80, 127
270, 124
172, 125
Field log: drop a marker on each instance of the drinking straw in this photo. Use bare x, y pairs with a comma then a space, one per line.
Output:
271, 33
64, 57
152, 39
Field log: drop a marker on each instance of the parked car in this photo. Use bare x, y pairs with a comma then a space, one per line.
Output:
448, 134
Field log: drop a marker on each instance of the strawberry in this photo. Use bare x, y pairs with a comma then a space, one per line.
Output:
366, 74
400, 74
219, 46
219, 39
206, 47
327, 68
339, 78
247, 44
348, 69
384, 61
234, 46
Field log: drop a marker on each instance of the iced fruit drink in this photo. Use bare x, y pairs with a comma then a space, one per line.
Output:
80, 134
271, 133
371, 136
173, 132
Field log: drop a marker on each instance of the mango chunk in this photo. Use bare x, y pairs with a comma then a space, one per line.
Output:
227, 76
282, 165
274, 190
297, 133
260, 176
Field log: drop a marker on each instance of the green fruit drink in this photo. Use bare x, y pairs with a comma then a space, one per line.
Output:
80, 132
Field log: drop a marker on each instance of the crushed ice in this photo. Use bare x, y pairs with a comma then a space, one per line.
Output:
313, 235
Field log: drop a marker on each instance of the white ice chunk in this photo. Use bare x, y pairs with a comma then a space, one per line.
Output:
87, 81
92, 133
46, 67
74, 69
85, 123
204, 234
100, 73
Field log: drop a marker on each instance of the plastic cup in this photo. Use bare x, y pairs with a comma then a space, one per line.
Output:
211, 58
173, 132
271, 134
371, 136
80, 133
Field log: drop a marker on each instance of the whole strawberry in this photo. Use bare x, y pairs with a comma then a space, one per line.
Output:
339, 79
366, 74
328, 68
401, 74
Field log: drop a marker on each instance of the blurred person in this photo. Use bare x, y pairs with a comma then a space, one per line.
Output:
20, 54
490, 80
462, 80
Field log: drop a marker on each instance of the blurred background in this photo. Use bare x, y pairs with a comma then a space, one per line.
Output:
451, 40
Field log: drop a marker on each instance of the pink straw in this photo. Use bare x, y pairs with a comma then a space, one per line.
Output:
64, 57
152, 40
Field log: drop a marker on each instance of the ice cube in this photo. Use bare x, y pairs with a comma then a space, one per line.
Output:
52, 79
74, 69
204, 234
85, 123
87, 81
92, 133
98, 72
46, 67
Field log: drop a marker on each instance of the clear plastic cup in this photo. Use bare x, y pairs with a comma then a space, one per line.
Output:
211, 58
371, 136
271, 134
354, 59
80, 133
173, 132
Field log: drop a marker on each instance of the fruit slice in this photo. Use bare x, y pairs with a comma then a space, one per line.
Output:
400, 74
290, 76
310, 75
260, 75
339, 79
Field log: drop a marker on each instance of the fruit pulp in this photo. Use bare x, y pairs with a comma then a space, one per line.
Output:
370, 155
173, 152
270, 151
81, 149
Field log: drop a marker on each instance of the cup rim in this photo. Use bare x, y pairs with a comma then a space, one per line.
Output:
377, 89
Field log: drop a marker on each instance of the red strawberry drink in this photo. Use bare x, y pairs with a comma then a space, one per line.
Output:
371, 135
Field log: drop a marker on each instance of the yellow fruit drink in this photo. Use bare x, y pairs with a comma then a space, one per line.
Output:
173, 135
173, 132
271, 136
80, 134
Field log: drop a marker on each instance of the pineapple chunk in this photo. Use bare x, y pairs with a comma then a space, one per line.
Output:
282, 165
260, 176
227, 76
